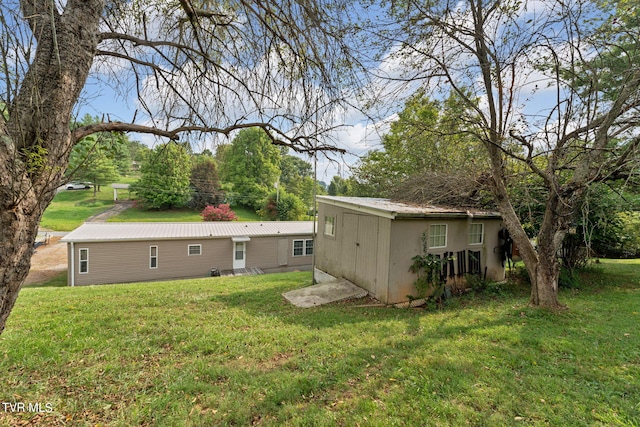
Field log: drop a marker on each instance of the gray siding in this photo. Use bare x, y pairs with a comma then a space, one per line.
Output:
329, 249
128, 261
406, 242
359, 250
375, 252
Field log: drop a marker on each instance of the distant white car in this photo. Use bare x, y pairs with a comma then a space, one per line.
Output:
77, 186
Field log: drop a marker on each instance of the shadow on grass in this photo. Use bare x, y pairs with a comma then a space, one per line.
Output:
269, 302
58, 281
372, 370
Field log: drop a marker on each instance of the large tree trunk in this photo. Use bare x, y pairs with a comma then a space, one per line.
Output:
18, 231
544, 274
541, 262
37, 141
544, 285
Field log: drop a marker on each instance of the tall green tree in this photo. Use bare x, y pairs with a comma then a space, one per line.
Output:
426, 137
205, 185
99, 158
283, 206
296, 177
251, 166
164, 181
292, 169
339, 186
197, 66
91, 162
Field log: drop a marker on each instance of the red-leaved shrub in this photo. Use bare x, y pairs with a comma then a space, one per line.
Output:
221, 212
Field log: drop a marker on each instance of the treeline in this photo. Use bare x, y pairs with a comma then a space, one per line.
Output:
250, 172
428, 157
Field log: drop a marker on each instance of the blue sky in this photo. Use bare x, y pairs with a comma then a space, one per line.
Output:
358, 136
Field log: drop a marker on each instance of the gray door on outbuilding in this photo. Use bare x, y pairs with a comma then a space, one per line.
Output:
360, 251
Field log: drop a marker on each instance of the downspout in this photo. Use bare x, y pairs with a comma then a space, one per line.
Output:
315, 213
73, 269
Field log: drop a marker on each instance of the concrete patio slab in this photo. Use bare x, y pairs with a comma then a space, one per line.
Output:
324, 293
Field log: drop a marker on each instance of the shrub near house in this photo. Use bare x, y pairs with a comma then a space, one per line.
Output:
221, 212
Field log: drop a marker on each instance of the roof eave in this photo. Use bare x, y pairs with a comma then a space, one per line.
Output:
359, 208
385, 213
156, 239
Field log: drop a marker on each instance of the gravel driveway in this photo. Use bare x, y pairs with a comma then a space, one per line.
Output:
47, 262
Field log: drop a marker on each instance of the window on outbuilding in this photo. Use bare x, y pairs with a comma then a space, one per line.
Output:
476, 234
83, 265
195, 250
330, 226
437, 236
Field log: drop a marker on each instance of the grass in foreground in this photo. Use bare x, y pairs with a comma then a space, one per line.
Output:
231, 351
57, 281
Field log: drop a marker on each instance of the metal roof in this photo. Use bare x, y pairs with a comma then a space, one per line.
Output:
390, 209
121, 231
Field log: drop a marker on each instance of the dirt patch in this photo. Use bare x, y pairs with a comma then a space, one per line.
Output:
47, 262
118, 208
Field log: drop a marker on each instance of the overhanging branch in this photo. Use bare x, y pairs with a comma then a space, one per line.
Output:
300, 144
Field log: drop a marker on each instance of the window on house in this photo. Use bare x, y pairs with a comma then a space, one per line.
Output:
153, 257
330, 226
302, 247
195, 250
476, 234
84, 261
239, 251
308, 247
437, 236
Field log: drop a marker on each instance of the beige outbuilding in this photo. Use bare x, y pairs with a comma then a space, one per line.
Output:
133, 252
371, 242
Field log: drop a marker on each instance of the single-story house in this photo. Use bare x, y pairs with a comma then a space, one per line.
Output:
131, 252
371, 242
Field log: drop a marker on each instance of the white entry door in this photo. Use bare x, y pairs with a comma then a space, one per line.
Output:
239, 255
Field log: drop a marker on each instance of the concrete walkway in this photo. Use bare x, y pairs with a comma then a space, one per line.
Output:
327, 292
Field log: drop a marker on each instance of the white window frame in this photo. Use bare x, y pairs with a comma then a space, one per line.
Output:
83, 262
330, 226
301, 248
239, 248
305, 250
153, 257
432, 235
308, 247
189, 247
471, 233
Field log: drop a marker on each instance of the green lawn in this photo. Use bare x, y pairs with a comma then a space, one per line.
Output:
70, 208
231, 351
186, 215
140, 215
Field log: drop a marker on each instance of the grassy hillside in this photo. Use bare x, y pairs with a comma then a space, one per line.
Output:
70, 208
231, 351
185, 215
